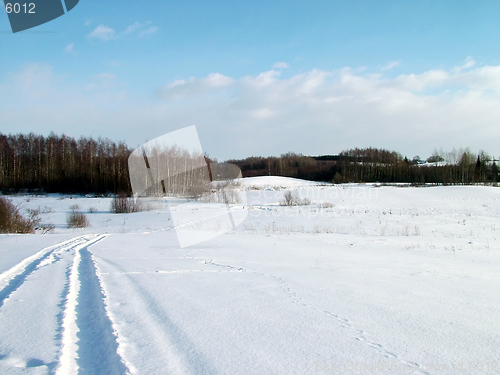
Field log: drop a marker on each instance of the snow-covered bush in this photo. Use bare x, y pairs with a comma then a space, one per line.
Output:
292, 198
226, 192
326, 205
223, 192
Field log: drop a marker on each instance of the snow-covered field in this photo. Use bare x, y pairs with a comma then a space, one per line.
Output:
365, 279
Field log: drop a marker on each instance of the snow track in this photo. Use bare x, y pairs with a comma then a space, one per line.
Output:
13, 278
89, 342
73, 307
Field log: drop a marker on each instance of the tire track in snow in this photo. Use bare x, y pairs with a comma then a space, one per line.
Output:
98, 346
68, 337
359, 334
12, 279
89, 343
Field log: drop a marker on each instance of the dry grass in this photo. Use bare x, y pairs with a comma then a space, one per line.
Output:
12, 221
122, 204
77, 219
326, 205
223, 192
226, 192
292, 198
407, 230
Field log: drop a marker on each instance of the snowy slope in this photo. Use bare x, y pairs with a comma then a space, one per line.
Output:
276, 182
365, 279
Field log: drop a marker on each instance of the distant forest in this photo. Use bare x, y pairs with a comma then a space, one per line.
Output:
62, 164
378, 165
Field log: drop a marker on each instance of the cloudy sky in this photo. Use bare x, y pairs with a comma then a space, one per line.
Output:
261, 77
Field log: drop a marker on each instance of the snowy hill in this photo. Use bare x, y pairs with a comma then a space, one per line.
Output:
276, 182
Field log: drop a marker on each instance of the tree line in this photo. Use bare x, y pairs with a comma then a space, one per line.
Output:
378, 165
86, 165
62, 164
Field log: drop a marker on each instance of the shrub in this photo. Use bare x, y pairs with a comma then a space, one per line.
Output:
36, 221
92, 210
326, 205
223, 192
292, 199
122, 204
11, 220
46, 228
77, 219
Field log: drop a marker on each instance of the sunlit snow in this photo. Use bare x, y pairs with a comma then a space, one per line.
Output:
364, 279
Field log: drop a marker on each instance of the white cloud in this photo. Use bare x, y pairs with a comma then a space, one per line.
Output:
426, 80
176, 83
69, 48
141, 26
135, 26
391, 65
468, 63
180, 89
481, 79
103, 32
328, 111
215, 80
280, 65
309, 82
150, 30
263, 79
315, 112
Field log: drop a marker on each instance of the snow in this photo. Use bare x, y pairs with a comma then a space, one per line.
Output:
365, 279
276, 182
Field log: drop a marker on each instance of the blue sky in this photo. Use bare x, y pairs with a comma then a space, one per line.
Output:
261, 77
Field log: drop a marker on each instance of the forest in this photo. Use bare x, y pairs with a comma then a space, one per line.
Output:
378, 165
62, 164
